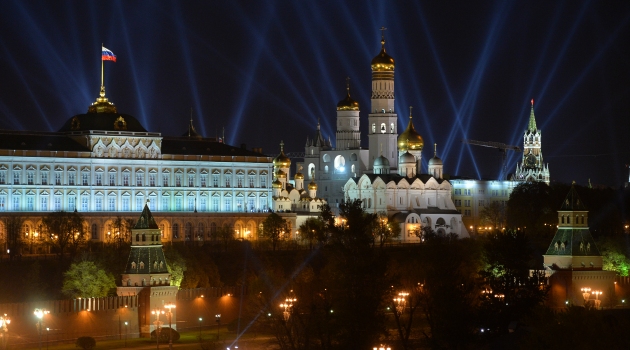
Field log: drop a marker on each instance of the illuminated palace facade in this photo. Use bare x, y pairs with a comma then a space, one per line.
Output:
104, 164
387, 176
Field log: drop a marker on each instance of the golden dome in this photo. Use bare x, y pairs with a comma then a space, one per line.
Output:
281, 174
299, 176
276, 184
282, 161
312, 186
383, 61
348, 104
410, 139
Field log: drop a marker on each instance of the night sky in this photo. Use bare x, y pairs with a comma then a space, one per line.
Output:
267, 71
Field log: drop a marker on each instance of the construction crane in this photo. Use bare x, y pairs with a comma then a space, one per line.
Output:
502, 147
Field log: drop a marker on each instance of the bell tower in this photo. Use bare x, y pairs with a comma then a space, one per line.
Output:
383, 129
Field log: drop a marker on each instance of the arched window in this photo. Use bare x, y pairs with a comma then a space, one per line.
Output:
340, 164
94, 231
175, 231
188, 230
562, 218
383, 128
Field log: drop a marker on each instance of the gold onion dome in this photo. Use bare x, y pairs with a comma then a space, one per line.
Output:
348, 104
299, 176
102, 105
281, 174
383, 61
276, 184
410, 139
282, 161
312, 186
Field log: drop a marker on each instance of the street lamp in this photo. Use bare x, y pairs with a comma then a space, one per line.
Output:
586, 293
218, 319
39, 313
157, 322
597, 301
287, 305
382, 348
169, 314
4, 330
401, 302
126, 331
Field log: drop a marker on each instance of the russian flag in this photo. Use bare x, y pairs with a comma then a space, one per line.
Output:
108, 55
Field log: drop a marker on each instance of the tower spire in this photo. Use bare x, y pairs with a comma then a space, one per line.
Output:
383, 29
532, 119
435, 150
348, 85
410, 110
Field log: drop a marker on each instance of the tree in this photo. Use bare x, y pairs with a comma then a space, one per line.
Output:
13, 228
613, 257
512, 292
175, 264
120, 233
275, 228
311, 230
87, 280
65, 232
384, 229
493, 214
531, 205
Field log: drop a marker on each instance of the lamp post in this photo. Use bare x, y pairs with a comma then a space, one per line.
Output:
401, 302
586, 293
47, 333
200, 319
126, 331
4, 330
157, 322
382, 348
169, 314
39, 313
287, 305
597, 301
218, 319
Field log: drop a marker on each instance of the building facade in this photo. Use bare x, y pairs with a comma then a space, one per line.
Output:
105, 164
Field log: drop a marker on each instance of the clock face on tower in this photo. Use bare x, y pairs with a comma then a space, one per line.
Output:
530, 161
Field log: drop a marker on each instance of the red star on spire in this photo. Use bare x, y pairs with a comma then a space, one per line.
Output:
532, 101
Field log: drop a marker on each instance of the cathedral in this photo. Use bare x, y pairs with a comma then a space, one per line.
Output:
387, 176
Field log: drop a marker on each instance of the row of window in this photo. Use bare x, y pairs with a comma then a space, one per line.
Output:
112, 203
469, 192
111, 179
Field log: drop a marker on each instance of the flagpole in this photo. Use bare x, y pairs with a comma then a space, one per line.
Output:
102, 74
